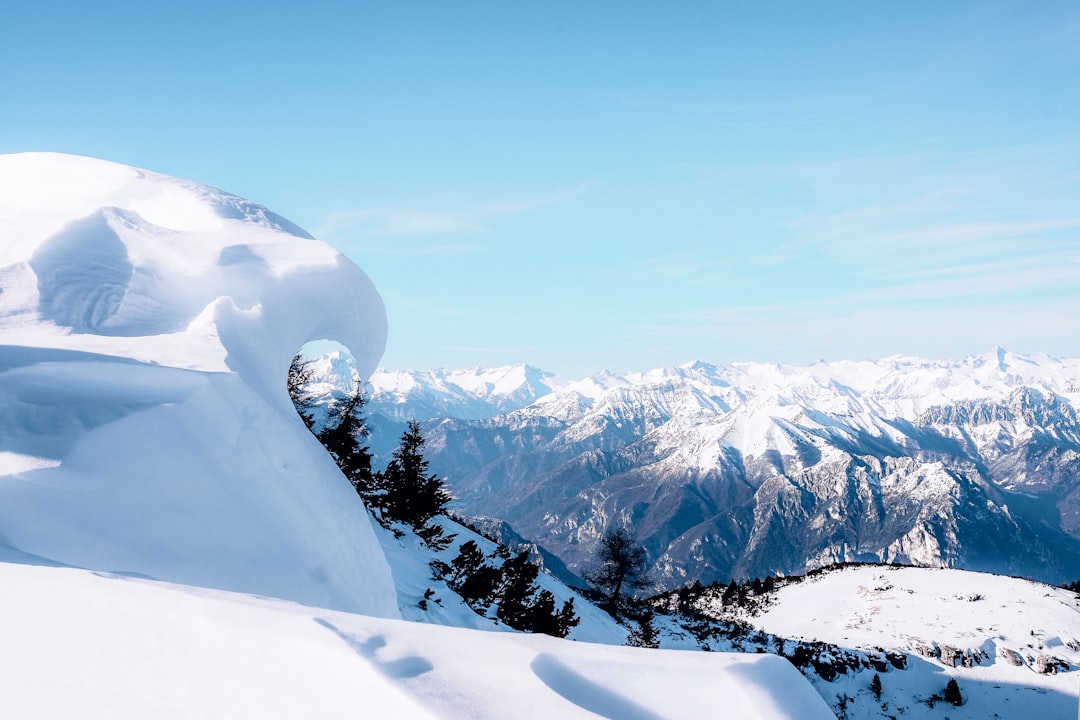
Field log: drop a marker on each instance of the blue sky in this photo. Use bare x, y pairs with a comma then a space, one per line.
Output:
613, 185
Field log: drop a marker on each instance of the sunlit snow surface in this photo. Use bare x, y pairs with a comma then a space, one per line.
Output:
82, 644
146, 325
907, 609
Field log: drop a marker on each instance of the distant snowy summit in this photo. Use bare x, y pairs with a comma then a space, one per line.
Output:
473, 393
896, 386
749, 469
146, 328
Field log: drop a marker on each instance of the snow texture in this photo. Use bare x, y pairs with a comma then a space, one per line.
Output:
92, 645
146, 326
990, 633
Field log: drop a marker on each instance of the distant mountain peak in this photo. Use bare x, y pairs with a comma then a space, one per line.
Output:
756, 468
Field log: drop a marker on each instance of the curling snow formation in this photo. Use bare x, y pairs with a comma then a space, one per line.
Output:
146, 327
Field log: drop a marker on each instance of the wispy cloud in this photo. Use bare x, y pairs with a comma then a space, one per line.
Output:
389, 220
836, 330
355, 227
974, 226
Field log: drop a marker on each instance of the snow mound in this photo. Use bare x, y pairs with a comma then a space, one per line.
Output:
146, 328
93, 646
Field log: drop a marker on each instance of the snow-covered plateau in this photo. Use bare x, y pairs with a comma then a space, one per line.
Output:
175, 543
1006, 641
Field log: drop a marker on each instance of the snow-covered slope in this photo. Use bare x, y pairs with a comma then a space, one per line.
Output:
1012, 645
91, 645
750, 469
146, 326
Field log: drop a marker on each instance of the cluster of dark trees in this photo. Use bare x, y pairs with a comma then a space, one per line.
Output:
508, 582
405, 491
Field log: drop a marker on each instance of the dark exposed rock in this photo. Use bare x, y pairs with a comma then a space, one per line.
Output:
1011, 656
1050, 665
927, 651
897, 659
949, 655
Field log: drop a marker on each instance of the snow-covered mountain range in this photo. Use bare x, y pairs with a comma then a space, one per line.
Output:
753, 469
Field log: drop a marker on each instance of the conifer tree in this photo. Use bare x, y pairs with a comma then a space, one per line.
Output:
520, 603
875, 686
479, 588
300, 375
566, 619
517, 590
410, 493
343, 438
468, 559
952, 693
621, 570
645, 635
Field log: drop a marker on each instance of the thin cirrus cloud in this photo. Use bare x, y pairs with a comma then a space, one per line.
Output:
353, 227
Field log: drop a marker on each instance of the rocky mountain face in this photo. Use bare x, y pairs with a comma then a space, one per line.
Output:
748, 470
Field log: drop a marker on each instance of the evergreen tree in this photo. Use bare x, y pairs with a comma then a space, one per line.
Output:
343, 438
410, 493
468, 559
300, 376
952, 693
539, 614
645, 635
566, 620
480, 587
517, 590
521, 605
621, 570
730, 592
875, 687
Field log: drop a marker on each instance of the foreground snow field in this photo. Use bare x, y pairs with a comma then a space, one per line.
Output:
92, 645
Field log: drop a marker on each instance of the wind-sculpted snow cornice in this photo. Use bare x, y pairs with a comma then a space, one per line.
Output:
146, 329
107, 258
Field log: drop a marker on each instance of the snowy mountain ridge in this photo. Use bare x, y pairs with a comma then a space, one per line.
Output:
754, 469
473, 393
894, 387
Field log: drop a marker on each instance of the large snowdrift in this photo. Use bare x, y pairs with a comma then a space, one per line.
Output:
146, 327
92, 646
